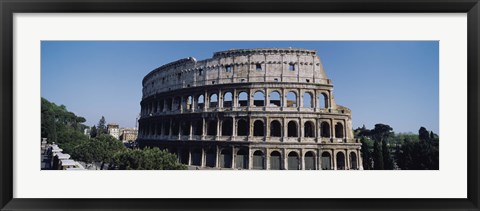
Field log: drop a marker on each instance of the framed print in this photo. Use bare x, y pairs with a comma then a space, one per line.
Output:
239, 105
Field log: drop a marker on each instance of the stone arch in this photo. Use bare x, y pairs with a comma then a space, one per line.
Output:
198, 128
241, 160
339, 130
293, 161
213, 100
166, 127
226, 158
210, 157
227, 127
323, 100
275, 99
161, 103
275, 160
189, 102
177, 102
292, 129
242, 127
326, 161
197, 157
258, 160
340, 161
292, 99
275, 128
353, 160
258, 128
200, 102
325, 130
307, 100
184, 156
259, 98
169, 104
309, 129
175, 128
185, 128
242, 99
227, 99
310, 161
212, 127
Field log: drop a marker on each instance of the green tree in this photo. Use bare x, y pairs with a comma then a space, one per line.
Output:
367, 159
93, 132
99, 149
421, 153
380, 134
101, 127
146, 159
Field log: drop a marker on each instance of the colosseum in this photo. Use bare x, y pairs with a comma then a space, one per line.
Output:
269, 108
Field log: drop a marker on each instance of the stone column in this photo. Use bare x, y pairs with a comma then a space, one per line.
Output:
204, 125
267, 98
189, 157
170, 129
206, 99
217, 152
250, 160
359, 160
234, 128
234, 99
190, 133
332, 129
220, 99
202, 162
267, 128
319, 159
301, 129
347, 160
302, 156
334, 159
285, 130
233, 157
219, 133
285, 159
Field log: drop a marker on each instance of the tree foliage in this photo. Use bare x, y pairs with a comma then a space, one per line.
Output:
59, 125
146, 159
382, 149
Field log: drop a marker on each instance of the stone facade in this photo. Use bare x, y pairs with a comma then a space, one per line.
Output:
248, 109
114, 130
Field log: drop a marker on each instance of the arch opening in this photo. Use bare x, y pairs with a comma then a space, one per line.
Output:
326, 161
242, 127
292, 129
213, 100
340, 161
275, 160
339, 130
325, 130
227, 100
259, 99
258, 160
227, 127
274, 99
309, 129
275, 129
310, 161
258, 128
243, 99
307, 100
291, 99
293, 161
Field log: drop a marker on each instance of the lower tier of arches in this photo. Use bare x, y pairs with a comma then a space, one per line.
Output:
231, 155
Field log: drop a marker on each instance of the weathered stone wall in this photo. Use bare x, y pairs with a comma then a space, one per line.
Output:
216, 101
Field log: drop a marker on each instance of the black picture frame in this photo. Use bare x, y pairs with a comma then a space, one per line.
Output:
10, 7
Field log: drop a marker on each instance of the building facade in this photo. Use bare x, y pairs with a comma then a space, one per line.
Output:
114, 130
248, 109
128, 134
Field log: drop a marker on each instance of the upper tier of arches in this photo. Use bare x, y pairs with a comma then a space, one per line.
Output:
238, 66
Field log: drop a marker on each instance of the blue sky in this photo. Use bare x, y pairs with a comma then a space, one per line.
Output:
389, 82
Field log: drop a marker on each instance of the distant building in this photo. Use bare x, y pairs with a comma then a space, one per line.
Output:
113, 130
87, 131
128, 134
